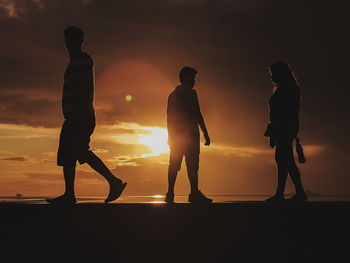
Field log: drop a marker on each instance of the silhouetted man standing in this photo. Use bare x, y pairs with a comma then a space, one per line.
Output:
79, 123
183, 118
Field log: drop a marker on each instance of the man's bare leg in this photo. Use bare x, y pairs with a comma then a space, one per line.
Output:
196, 196
116, 186
97, 164
172, 175
193, 178
69, 177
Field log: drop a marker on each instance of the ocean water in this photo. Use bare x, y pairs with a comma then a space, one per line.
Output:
159, 199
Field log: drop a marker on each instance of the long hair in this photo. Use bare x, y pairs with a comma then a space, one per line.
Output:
283, 77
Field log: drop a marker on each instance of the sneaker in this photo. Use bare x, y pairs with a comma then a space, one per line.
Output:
299, 197
275, 199
198, 197
169, 198
62, 200
115, 190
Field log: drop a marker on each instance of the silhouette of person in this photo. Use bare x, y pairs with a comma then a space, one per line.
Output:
79, 123
183, 118
283, 128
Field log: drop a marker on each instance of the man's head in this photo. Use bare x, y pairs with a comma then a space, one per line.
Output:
187, 77
73, 38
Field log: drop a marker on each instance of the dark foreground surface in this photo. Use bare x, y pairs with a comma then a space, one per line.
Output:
231, 232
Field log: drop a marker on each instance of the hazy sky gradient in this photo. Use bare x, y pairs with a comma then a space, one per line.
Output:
138, 48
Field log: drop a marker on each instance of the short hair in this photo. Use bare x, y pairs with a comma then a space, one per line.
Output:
186, 72
75, 33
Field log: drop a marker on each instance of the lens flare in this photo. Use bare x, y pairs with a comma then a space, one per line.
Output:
128, 98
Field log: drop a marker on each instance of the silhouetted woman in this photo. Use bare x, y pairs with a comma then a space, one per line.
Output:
284, 127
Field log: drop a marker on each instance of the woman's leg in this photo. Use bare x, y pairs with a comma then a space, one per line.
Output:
294, 174
293, 170
296, 179
281, 157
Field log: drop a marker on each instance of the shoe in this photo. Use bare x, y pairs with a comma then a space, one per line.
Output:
115, 190
299, 197
275, 199
198, 197
62, 200
169, 198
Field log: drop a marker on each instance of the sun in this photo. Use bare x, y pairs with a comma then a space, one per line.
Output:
156, 139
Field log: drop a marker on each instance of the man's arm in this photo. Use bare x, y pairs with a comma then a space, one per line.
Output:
204, 129
201, 122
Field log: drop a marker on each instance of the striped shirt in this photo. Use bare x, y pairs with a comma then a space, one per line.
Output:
78, 87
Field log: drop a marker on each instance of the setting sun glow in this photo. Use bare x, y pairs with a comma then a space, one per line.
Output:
156, 140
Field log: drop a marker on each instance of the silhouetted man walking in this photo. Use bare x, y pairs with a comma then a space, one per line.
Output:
183, 118
79, 123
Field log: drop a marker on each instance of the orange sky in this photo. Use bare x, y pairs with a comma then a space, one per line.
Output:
138, 50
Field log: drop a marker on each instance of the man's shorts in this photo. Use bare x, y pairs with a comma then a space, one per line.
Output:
74, 139
191, 153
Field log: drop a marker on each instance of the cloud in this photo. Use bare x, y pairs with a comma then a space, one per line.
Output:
124, 132
17, 158
14, 131
238, 151
46, 178
20, 161
49, 154
310, 150
19, 109
130, 160
97, 150
9, 8
10, 158
17, 8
